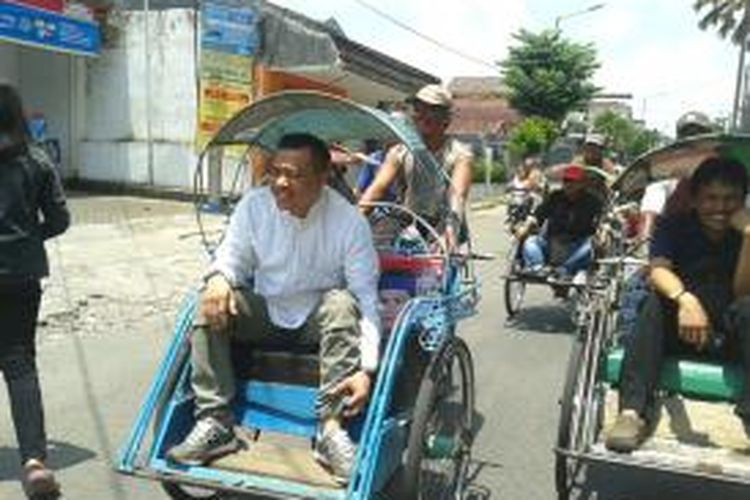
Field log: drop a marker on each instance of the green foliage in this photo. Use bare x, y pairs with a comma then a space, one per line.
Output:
643, 141
618, 130
548, 75
532, 136
625, 136
498, 172
729, 17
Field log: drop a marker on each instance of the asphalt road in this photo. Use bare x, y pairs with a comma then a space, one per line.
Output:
117, 277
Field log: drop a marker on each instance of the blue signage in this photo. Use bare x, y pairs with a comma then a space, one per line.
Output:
229, 28
49, 30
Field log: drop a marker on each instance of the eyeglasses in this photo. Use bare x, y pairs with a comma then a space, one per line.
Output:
433, 113
290, 172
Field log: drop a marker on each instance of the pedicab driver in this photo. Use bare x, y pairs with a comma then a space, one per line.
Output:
700, 303
311, 258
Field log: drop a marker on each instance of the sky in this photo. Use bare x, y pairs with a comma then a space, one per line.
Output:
651, 49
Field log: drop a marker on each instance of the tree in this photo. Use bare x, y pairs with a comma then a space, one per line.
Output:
625, 136
727, 16
644, 140
533, 135
618, 130
549, 76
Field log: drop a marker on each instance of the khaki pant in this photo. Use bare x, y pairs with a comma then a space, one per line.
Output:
333, 326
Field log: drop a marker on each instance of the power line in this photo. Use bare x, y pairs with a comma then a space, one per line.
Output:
423, 36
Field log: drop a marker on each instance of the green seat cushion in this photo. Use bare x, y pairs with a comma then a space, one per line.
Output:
700, 379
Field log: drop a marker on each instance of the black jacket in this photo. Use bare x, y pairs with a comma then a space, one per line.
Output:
569, 219
32, 209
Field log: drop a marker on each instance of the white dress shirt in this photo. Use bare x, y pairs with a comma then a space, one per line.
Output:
293, 261
656, 195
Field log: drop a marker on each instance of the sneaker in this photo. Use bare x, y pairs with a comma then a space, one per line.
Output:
579, 279
537, 271
560, 277
39, 482
210, 439
336, 452
627, 433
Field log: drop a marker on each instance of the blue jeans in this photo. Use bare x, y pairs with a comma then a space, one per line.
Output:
536, 250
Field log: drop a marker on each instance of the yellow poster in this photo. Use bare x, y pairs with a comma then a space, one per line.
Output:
229, 40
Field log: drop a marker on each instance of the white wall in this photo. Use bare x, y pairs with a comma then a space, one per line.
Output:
45, 87
9, 70
116, 109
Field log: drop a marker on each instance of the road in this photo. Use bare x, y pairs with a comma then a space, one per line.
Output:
117, 277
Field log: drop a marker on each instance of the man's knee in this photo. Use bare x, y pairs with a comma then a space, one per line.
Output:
339, 307
740, 312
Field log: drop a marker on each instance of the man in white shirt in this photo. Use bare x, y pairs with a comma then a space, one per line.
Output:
310, 256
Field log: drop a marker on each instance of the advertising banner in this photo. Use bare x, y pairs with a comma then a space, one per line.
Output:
229, 41
48, 30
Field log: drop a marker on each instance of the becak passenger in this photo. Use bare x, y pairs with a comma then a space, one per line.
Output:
700, 303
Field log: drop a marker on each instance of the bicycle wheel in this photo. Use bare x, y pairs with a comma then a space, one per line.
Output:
515, 287
441, 432
566, 467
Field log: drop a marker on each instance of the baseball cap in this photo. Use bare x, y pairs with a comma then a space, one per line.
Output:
573, 173
434, 95
693, 123
595, 139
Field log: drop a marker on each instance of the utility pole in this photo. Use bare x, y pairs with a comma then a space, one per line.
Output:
592, 8
147, 88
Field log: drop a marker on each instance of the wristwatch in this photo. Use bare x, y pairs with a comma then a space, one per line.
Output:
674, 297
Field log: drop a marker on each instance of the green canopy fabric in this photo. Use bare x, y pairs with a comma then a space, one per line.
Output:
679, 160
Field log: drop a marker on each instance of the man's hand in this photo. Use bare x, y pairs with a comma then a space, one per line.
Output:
692, 321
356, 389
741, 221
218, 303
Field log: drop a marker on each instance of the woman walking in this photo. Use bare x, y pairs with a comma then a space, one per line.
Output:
32, 209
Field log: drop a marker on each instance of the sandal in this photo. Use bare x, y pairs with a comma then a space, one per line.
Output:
39, 481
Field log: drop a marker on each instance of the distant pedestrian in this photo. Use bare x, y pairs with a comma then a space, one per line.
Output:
32, 209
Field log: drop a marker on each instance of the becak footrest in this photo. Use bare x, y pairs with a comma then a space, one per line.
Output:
701, 379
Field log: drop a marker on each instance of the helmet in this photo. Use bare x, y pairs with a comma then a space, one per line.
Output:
693, 123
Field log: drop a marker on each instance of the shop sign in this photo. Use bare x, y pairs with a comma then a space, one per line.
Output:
48, 30
229, 42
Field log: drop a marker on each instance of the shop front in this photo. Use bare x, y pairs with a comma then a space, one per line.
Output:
42, 53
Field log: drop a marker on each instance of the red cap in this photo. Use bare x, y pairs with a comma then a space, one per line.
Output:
574, 173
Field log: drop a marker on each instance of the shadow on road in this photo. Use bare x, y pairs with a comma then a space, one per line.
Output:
553, 318
61, 455
600, 481
475, 491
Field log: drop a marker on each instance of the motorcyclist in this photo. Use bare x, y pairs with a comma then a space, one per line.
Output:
525, 190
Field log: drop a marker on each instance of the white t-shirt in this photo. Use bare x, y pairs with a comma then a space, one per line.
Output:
656, 195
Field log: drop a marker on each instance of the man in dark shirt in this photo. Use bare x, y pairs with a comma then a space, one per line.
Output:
700, 303
570, 215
